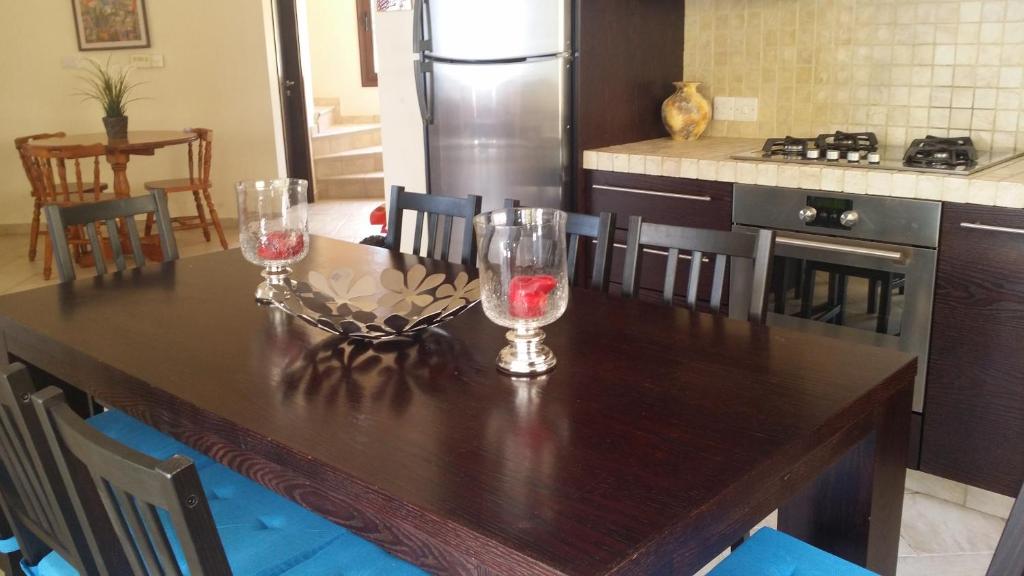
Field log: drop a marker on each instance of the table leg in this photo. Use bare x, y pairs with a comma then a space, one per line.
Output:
854, 509
119, 164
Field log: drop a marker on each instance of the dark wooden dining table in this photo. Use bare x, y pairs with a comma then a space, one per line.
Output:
661, 438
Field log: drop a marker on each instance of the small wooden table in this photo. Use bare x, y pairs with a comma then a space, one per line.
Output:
140, 143
660, 439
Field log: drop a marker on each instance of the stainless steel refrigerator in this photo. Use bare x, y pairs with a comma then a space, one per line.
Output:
493, 81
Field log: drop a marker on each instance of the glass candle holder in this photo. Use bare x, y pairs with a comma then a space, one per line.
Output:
273, 229
523, 281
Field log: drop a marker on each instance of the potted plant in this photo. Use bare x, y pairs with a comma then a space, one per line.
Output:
112, 89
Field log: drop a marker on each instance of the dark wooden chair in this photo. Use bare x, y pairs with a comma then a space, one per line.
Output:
39, 511
749, 257
198, 182
110, 213
598, 229
57, 180
440, 213
1008, 559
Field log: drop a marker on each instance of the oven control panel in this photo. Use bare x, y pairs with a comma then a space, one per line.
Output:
822, 212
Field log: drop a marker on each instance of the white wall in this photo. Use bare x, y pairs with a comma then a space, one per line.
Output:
401, 126
215, 76
334, 53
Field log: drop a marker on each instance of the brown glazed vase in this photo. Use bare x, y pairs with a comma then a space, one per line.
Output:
117, 127
686, 113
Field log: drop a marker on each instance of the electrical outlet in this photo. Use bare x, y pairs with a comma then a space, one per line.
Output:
70, 62
724, 108
745, 110
146, 60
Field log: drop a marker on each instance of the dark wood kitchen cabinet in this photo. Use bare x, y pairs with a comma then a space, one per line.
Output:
663, 200
974, 403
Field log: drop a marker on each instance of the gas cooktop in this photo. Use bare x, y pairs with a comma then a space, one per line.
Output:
955, 156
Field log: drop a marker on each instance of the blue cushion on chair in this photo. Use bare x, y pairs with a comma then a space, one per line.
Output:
9, 545
143, 438
52, 564
772, 553
350, 555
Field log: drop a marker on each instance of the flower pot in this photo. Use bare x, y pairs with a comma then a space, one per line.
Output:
686, 113
117, 127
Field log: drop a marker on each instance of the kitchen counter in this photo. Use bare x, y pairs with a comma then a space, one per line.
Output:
709, 159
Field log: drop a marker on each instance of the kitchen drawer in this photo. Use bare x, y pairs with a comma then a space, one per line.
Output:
974, 399
678, 201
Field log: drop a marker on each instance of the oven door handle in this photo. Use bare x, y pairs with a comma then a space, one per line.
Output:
842, 248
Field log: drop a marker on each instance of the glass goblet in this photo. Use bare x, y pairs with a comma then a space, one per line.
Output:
272, 228
523, 281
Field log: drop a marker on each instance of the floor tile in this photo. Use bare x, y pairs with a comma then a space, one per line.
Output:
989, 502
935, 526
934, 486
944, 565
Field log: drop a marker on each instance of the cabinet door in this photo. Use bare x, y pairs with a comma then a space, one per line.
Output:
974, 401
663, 200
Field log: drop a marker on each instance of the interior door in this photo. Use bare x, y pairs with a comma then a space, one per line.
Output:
498, 130
298, 155
479, 30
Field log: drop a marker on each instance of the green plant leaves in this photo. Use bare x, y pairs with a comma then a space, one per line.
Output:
111, 89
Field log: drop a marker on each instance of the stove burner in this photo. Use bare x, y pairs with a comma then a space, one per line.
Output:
788, 147
941, 153
846, 142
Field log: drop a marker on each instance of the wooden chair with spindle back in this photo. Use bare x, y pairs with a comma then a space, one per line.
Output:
20, 144
65, 177
440, 213
748, 256
198, 182
598, 229
118, 216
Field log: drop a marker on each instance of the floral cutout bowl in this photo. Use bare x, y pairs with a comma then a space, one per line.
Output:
397, 304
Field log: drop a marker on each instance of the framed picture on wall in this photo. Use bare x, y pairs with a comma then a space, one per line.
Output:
389, 5
110, 24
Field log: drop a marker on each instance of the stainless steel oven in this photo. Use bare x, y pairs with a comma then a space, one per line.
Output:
860, 268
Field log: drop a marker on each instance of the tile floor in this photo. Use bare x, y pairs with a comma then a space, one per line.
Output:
940, 536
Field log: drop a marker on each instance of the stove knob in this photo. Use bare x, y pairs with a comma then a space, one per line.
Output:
813, 154
853, 156
874, 158
832, 155
807, 214
849, 218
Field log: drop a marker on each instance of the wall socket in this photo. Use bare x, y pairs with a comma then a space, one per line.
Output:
146, 60
736, 109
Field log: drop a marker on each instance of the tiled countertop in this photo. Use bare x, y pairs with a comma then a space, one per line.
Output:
708, 159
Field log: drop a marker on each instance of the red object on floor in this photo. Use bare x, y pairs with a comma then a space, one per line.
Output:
379, 217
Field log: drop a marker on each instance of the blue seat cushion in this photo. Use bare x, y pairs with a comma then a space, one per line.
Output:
144, 438
772, 553
350, 555
52, 564
8, 545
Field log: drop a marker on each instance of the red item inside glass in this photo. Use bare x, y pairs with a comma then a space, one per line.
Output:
528, 295
282, 245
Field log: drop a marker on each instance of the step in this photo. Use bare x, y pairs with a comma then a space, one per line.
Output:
344, 137
356, 161
362, 185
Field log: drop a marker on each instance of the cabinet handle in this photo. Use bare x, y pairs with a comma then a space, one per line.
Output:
654, 193
662, 252
988, 228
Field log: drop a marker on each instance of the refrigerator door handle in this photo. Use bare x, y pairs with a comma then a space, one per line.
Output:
420, 22
425, 89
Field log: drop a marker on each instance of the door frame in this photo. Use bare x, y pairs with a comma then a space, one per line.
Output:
291, 87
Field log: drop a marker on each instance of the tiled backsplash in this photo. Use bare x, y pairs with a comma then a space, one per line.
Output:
900, 68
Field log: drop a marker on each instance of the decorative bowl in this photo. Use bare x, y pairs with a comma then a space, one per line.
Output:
397, 304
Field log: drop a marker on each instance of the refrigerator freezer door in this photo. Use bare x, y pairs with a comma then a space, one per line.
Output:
480, 30
500, 131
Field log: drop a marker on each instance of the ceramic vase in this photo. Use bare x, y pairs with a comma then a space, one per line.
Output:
686, 113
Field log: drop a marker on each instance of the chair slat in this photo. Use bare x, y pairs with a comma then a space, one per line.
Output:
693, 285
140, 536
134, 242
434, 208
115, 244
431, 235
97, 248
417, 242
718, 282
446, 238
158, 537
671, 266
19, 469
111, 502
573, 251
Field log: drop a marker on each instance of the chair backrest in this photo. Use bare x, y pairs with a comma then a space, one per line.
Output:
598, 229
1008, 559
110, 212
440, 213
35, 501
748, 256
48, 171
20, 144
200, 157
133, 489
